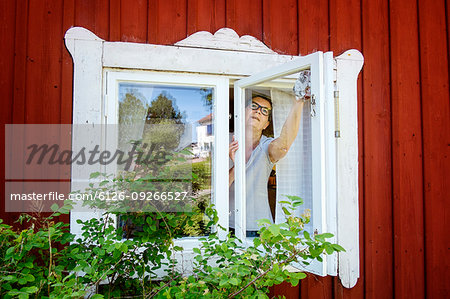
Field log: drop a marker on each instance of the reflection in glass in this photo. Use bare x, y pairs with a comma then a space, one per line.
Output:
170, 128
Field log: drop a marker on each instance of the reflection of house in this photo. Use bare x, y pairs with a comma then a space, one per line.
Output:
205, 136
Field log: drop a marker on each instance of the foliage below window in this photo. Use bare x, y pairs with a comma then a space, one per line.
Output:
38, 260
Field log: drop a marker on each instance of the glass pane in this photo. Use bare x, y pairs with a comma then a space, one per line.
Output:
278, 152
171, 128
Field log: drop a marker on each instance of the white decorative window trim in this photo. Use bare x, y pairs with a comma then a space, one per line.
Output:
223, 54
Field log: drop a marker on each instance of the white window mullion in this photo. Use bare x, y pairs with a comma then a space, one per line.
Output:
330, 162
239, 165
220, 174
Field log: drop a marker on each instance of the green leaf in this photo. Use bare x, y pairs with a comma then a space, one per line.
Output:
274, 229
329, 249
297, 204
326, 235
54, 207
338, 247
224, 247
124, 248
94, 175
10, 250
275, 268
22, 281
9, 278
103, 183
29, 290
263, 221
29, 277
223, 281
247, 262
307, 235
286, 211
234, 281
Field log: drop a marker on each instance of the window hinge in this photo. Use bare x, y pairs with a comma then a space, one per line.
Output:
337, 125
334, 70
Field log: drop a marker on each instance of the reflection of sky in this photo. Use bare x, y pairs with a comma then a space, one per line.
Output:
188, 100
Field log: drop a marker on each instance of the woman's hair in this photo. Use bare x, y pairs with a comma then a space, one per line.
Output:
258, 95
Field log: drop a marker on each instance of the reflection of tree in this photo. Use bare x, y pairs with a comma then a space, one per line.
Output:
207, 96
132, 111
164, 123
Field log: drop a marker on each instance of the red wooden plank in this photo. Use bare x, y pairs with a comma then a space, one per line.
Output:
377, 152
280, 26
94, 16
205, 15
7, 30
44, 62
43, 77
114, 20
314, 286
133, 21
284, 289
313, 26
436, 140
66, 80
345, 25
20, 47
245, 17
67, 66
406, 151
20, 71
167, 21
346, 33
448, 31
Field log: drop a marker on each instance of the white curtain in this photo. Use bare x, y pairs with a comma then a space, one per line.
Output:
294, 170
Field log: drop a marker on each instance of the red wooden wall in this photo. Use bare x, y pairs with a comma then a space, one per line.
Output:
404, 111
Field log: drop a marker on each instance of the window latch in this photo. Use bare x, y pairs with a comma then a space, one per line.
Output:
313, 105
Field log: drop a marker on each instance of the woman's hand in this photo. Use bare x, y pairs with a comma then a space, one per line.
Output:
234, 146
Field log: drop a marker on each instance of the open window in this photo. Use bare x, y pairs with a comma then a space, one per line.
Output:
108, 76
308, 169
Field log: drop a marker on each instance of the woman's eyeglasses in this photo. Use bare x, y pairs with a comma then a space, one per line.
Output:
264, 110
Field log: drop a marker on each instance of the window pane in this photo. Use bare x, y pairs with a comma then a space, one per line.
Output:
168, 126
276, 166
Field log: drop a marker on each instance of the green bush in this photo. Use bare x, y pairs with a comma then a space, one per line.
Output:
103, 264
31, 262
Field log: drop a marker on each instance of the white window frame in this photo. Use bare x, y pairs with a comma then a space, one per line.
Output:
226, 54
114, 77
